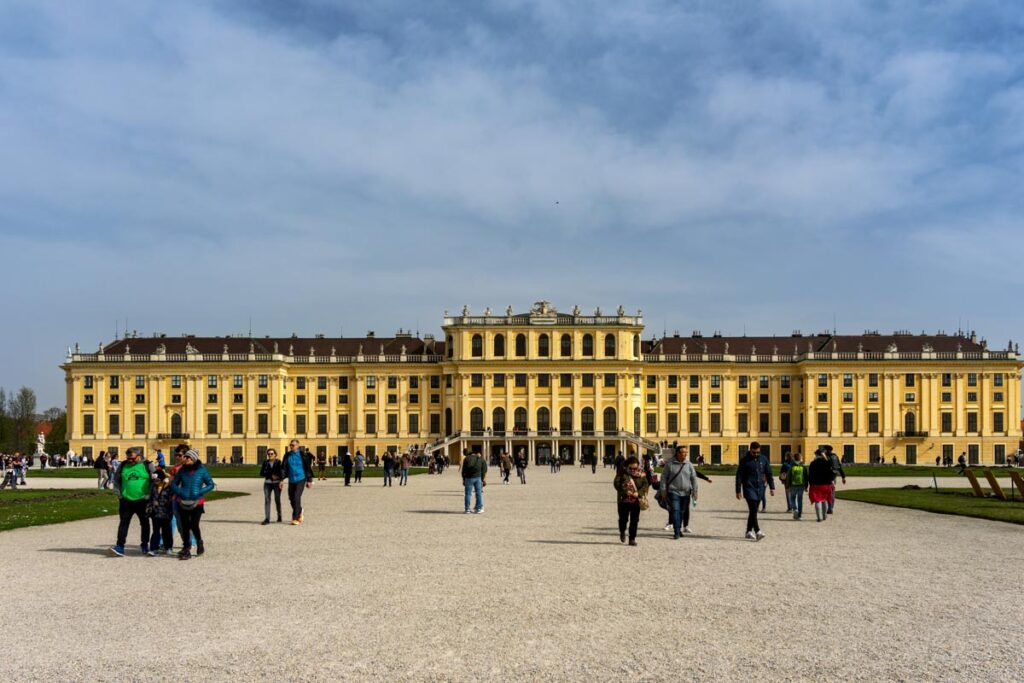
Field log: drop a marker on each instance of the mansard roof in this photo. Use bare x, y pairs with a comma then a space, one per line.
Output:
322, 346
869, 343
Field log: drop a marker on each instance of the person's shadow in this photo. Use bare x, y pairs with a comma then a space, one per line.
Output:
102, 550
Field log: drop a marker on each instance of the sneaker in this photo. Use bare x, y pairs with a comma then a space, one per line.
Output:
302, 517
668, 527
266, 522
751, 536
687, 530
200, 549
622, 537
830, 512
632, 542
296, 522
151, 552
468, 511
759, 535
796, 515
117, 550
184, 555
144, 548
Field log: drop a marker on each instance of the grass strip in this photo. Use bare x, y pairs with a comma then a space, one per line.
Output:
945, 502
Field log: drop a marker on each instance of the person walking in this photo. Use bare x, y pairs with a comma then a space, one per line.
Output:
821, 478
360, 465
837, 469
272, 472
405, 462
631, 494
796, 484
678, 486
521, 464
190, 486
389, 466
474, 479
346, 467
160, 510
321, 466
506, 466
593, 462
751, 476
161, 461
131, 485
787, 462
102, 466
962, 464
298, 469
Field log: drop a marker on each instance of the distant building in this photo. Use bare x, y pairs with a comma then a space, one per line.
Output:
551, 382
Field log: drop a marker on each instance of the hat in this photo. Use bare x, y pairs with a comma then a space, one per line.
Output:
193, 454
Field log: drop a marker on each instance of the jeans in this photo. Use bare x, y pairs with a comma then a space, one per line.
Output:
162, 534
359, 476
752, 506
521, 472
505, 474
471, 485
295, 490
128, 509
101, 479
796, 499
272, 488
679, 511
832, 498
387, 476
403, 476
190, 526
629, 512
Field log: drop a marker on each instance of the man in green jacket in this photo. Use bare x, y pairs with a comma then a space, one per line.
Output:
131, 484
474, 474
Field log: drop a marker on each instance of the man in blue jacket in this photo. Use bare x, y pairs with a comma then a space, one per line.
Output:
753, 473
298, 470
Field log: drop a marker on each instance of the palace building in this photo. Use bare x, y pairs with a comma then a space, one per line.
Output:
551, 382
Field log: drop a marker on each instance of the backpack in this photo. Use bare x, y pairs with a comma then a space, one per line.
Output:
796, 475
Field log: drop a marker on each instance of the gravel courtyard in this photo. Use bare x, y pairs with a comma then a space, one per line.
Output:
399, 584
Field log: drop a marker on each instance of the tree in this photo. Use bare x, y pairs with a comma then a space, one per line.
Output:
56, 440
4, 429
23, 411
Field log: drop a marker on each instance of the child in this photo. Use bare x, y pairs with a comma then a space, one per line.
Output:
159, 510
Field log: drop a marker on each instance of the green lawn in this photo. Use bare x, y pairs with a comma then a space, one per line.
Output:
216, 471
946, 502
25, 507
875, 471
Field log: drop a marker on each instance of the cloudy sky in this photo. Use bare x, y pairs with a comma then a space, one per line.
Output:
328, 166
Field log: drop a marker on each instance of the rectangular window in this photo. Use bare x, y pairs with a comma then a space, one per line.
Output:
211, 423
997, 422
694, 381
947, 396
321, 383
694, 398
997, 396
741, 398
321, 424
87, 399
114, 398
997, 379
610, 380
343, 399
716, 398
873, 380
211, 381
785, 418
140, 381
262, 381
87, 381
565, 380
673, 398
999, 455
499, 380
909, 379
343, 383
262, 423
435, 423
636, 381
300, 424
947, 422
284, 424
113, 424
236, 382
947, 379
652, 423
261, 398
87, 425
211, 398
414, 398
435, 382
115, 382
763, 382
848, 423
785, 382
743, 423
414, 382
140, 398
764, 423
972, 397
414, 423
909, 398
343, 424
140, 423
370, 398
972, 423
211, 454
716, 381
543, 380
972, 379
822, 397
392, 423
392, 382
742, 382
673, 381
847, 380
822, 423
371, 424
435, 398
822, 380
784, 398
872, 397
392, 399
237, 398
520, 380
652, 382
301, 399
716, 423
873, 423
673, 423
847, 397
694, 426
588, 380
237, 423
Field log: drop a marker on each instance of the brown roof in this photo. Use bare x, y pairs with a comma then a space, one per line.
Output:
802, 344
343, 346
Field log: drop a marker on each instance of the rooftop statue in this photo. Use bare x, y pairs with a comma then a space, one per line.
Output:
622, 310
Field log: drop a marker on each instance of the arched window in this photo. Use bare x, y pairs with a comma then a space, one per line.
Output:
498, 420
587, 419
520, 345
565, 419
176, 424
610, 423
910, 422
588, 345
477, 346
636, 346
544, 346
476, 420
636, 420
499, 345
543, 419
609, 345
566, 345
449, 346
520, 419
447, 421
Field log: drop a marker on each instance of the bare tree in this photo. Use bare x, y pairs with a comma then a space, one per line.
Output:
23, 411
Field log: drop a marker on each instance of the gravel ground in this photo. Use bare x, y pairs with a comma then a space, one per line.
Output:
399, 584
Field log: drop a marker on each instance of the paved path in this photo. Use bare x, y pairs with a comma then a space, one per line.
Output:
399, 584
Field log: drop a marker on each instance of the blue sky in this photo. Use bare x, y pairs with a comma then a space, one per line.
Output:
341, 166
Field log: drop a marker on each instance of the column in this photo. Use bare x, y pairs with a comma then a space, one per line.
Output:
886, 405
100, 423
250, 407
276, 384
959, 407
835, 419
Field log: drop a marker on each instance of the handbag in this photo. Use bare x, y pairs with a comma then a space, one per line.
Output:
660, 496
188, 504
643, 503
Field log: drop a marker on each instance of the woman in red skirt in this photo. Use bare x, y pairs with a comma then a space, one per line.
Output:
821, 479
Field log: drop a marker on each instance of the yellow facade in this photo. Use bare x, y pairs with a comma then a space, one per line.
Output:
551, 382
